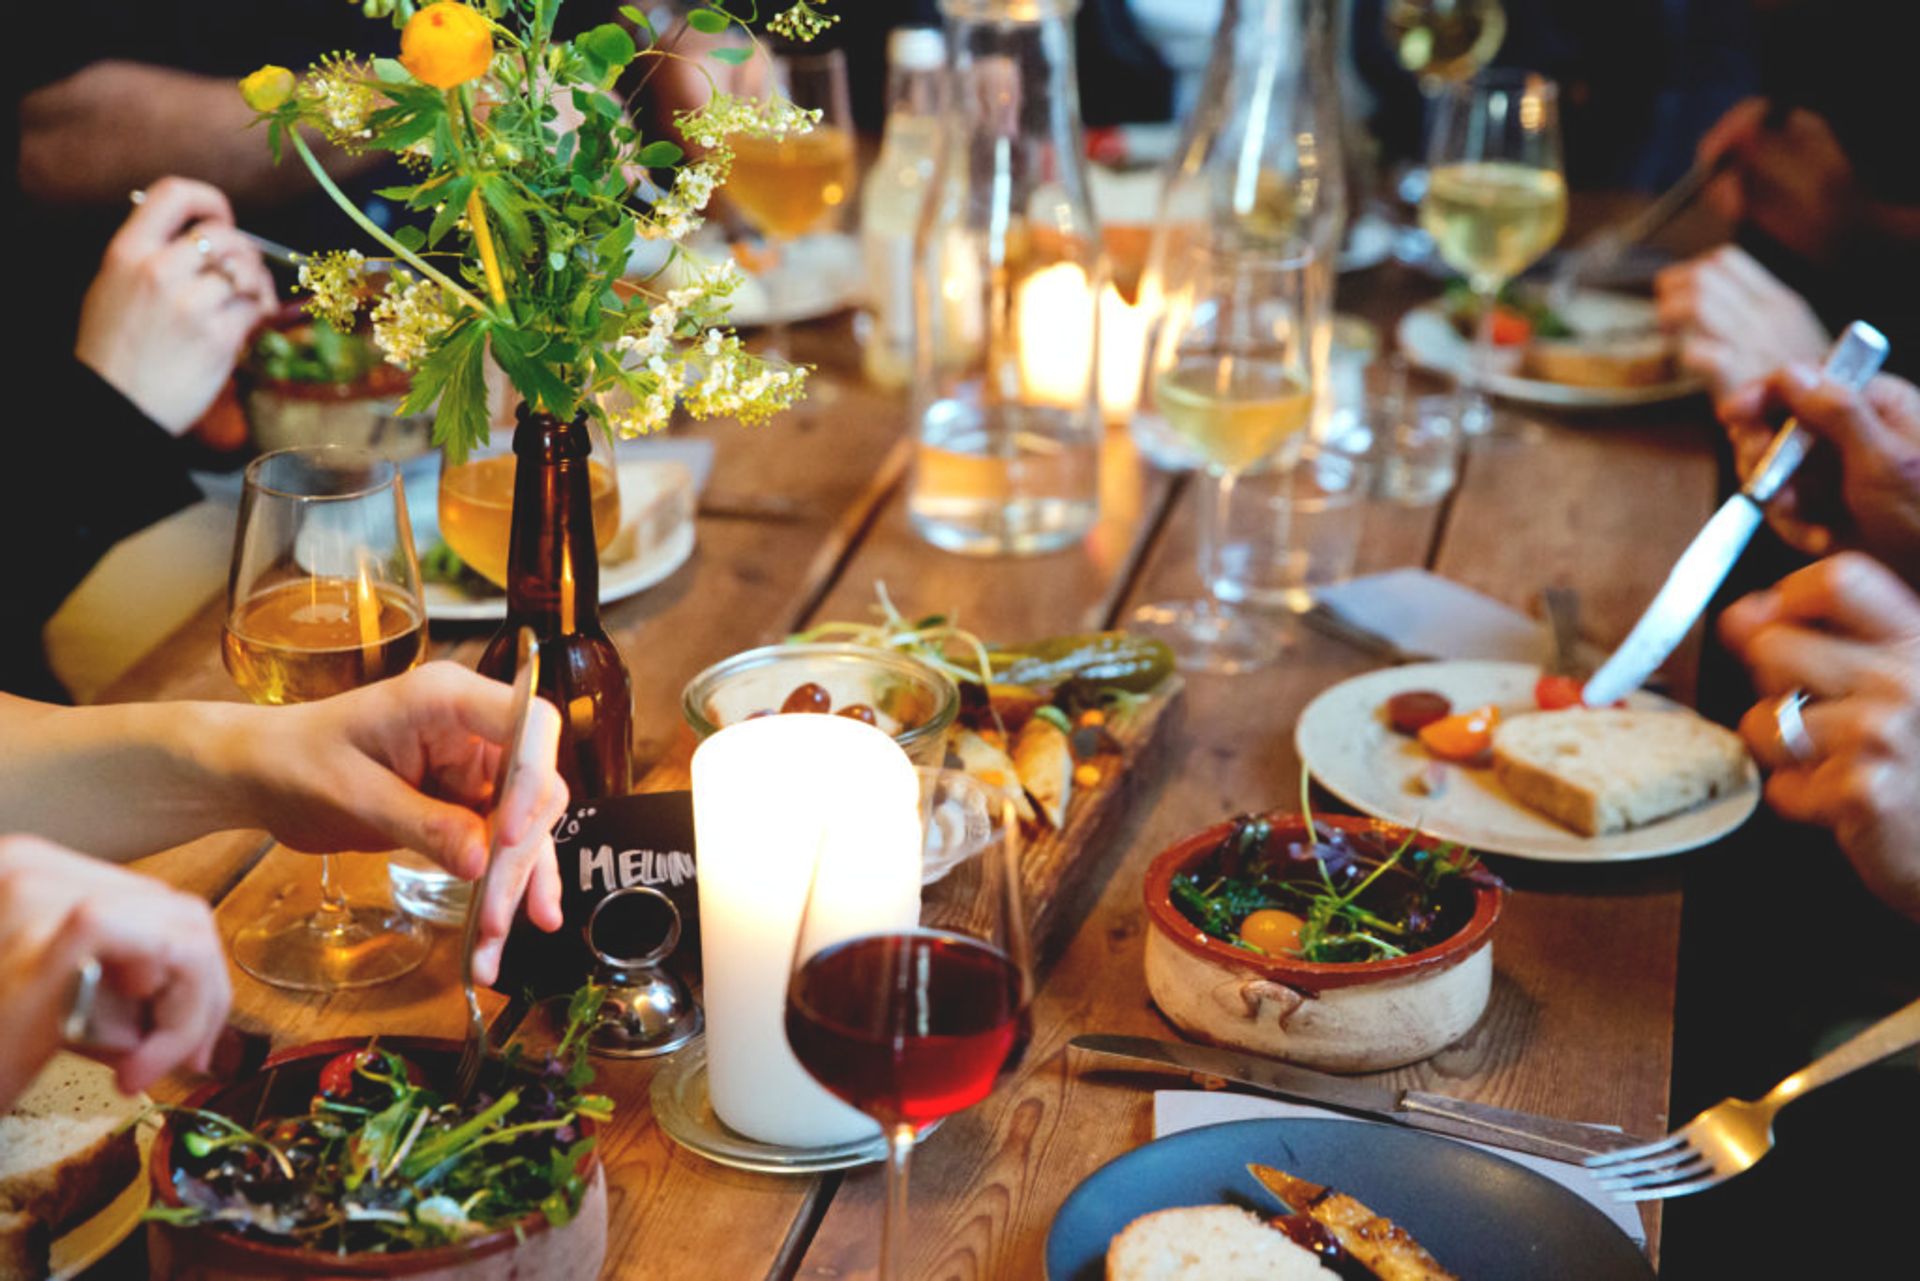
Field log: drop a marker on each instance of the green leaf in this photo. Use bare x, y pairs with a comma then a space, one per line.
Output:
658, 155
411, 238
612, 247
456, 204
454, 377
390, 71
557, 260
610, 43
503, 202
636, 17
519, 354
733, 56
396, 193
710, 21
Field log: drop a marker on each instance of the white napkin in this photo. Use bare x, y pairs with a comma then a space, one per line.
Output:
1177, 1110
1424, 613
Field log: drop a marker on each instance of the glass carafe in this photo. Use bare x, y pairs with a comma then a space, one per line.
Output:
1007, 273
1259, 170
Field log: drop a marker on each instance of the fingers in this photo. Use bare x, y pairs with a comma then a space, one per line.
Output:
1784, 658
451, 835
444, 693
1829, 409
1897, 404
171, 204
1735, 129
1853, 594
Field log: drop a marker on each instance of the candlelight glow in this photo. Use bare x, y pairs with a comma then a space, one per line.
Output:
1054, 318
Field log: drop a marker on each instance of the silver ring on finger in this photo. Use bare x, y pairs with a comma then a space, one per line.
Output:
1791, 727
77, 1027
203, 246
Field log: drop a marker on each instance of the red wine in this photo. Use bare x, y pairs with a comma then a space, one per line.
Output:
907, 1027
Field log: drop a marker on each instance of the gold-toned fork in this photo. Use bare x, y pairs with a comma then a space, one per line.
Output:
1730, 1136
526, 678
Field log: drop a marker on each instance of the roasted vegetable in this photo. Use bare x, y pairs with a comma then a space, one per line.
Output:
1114, 660
1044, 761
1379, 1244
992, 768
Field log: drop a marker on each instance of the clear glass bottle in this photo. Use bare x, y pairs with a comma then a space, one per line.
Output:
893, 193
1259, 169
1007, 271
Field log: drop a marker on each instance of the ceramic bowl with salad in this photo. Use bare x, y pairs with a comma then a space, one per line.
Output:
347, 1159
310, 384
1344, 944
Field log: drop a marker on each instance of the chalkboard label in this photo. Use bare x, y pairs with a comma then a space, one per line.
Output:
603, 846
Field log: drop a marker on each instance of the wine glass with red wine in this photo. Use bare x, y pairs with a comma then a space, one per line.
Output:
915, 1025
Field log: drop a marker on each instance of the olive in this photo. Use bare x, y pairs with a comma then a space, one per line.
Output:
1414, 710
859, 712
808, 698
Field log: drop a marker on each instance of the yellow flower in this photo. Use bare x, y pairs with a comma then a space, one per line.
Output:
446, 44
267, 88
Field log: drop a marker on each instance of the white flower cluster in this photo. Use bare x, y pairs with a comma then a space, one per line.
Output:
333, 282
801, 22
734, 383
407, 319
677, 352
676, 214
726, 115
336, 92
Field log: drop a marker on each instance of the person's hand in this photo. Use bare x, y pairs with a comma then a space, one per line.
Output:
1871, 500
1793, 183
1846, 631
178, 292
160, 962
411, 762
1735, 321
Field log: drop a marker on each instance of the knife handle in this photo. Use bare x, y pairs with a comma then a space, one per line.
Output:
1852, 363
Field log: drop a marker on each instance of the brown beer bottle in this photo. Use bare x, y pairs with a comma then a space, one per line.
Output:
553, 586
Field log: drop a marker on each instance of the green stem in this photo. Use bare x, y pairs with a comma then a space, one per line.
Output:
367, 225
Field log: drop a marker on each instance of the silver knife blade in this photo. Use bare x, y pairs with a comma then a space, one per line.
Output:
1457, 1118
1697, 575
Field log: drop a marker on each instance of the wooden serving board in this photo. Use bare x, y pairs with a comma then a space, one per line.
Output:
1060, 869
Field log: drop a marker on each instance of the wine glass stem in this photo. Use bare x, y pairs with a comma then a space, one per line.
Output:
332, 912
1476, 414
1212, 513
893, 1222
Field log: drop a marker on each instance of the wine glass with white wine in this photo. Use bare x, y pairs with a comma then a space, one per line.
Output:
1230, 372
1496, 199
324, 597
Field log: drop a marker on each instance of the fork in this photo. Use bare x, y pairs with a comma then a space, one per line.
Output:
1731, 1135
473, 1051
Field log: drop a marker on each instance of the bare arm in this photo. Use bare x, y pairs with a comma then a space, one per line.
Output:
114, 126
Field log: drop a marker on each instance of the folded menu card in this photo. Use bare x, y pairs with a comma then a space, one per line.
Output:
1424, 613
1177, 1110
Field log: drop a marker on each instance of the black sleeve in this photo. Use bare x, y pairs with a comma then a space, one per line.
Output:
81, 468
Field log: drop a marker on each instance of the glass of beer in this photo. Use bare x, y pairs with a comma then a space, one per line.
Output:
1496, 200
1230, 373
476, 505
324, 597
788, 187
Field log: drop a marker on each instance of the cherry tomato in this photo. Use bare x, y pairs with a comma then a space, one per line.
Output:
1510, 328
1413, 711
808, 698
1462, 738
1552, 693
336, 1078
1272, 930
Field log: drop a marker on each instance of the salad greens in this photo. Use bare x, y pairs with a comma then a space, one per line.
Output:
382, 1162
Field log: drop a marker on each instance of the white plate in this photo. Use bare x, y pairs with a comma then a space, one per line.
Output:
810, 277
92, 1240
1432, 343
1344, 740
658, 494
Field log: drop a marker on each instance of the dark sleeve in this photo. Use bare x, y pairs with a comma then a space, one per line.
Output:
80, 473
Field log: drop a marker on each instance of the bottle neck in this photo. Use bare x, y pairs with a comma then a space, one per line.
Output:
553, 567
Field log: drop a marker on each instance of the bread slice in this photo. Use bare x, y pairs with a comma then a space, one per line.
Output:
1601, 770
1629, 359
67, 1148
1208, 1243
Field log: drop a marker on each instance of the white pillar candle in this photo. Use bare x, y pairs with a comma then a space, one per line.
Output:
767, 794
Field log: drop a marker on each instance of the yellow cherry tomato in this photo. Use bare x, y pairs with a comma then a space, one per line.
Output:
446, 44
1272, 930
1463, 738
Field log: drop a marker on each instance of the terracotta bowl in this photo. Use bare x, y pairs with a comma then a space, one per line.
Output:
211, 1254
1340, 1018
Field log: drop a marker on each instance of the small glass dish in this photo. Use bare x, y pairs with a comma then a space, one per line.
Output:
912, 702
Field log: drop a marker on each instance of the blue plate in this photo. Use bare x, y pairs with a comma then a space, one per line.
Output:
1480, 1216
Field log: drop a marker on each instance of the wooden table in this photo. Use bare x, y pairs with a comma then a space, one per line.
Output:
1580, 1023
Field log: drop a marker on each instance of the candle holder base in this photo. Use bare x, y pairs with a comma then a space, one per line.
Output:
682, 1108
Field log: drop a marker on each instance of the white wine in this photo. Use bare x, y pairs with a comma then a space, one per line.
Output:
1492, 219
1234, 409
316, 637
787, 186
1445, 39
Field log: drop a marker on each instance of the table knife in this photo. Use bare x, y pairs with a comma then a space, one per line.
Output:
1457, 1118
1704, 565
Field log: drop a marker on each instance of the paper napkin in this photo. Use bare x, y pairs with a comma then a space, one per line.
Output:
1177, 1110
1424, 613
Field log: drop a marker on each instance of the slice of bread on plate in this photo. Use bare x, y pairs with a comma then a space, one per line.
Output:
1208, 1243
1602, 770
67, 1147
1621, 359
